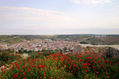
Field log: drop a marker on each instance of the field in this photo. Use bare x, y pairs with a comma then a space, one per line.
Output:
54, 65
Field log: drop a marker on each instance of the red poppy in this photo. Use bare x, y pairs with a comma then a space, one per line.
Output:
1, 69
24, 73
66, 74
107, 76
44, 74
16, 75
71, 71
40, 66
28, 70
57, 74
75, 64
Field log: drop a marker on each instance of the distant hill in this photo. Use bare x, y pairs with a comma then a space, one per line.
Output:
92, 39
81, 38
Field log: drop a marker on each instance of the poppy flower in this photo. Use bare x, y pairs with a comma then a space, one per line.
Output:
66, 74
16, 75
107, 76
40, 66
24, 73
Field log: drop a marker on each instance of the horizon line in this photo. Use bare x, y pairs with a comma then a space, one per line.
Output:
54, 34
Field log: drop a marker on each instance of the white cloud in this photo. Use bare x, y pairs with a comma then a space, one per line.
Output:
76, 1
31, 19
33, 14
24, 20
98, 1
91, 1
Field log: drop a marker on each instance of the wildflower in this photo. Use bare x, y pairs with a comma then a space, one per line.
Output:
66, 74
28, 70
24, 73
70, 67
77, 53
40, 66
110, 62
23, 60
71, 71
106, 73
107, 76
16, 75
44, 74
75, 64
57, 74
85, 70
78, 68
1, 69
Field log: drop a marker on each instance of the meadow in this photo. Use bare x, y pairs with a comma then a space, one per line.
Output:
54, 65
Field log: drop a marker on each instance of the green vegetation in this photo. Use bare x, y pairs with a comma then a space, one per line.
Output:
53, 65
7, 56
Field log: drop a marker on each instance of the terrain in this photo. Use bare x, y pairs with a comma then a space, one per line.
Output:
81, 38
54, 65
59, 57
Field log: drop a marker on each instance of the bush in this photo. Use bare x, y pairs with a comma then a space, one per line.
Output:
6, 58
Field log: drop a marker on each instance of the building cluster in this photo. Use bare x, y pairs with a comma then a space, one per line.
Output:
46, 44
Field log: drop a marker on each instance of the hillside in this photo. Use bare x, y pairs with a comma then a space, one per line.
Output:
81, 38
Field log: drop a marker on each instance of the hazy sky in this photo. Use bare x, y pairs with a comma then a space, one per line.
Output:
59, 16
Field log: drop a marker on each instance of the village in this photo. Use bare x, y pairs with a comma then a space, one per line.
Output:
40, 44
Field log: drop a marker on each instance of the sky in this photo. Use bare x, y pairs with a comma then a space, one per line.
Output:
49, 17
